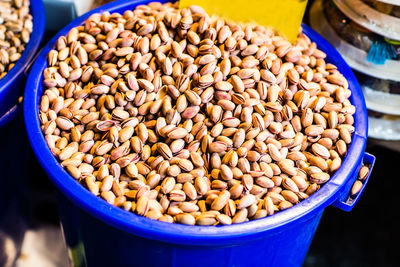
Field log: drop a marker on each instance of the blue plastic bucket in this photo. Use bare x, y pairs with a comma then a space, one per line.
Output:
13, 83
99, 234
14, 144
13, 135
11, 87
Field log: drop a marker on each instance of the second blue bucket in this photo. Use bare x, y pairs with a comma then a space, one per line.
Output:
98, 234
13, 83
14, 144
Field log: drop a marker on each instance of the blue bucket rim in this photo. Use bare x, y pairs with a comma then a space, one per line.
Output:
10, 114
38, 18
177, 233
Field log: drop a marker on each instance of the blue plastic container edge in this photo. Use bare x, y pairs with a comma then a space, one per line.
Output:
6, 83
182, 234
10, 115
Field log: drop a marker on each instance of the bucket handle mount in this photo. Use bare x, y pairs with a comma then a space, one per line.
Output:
347, 202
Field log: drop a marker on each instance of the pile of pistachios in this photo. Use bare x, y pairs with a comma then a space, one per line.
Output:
184, 117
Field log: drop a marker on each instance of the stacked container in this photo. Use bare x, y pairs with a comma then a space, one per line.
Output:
14, 156
367, 35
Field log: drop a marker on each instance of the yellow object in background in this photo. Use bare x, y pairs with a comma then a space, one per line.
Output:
285, 16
